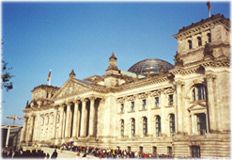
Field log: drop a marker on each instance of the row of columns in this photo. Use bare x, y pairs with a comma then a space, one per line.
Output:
77, 119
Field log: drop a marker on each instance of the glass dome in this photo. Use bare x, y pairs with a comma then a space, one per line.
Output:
150, 67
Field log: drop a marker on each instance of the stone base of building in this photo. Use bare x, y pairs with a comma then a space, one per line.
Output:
211, 145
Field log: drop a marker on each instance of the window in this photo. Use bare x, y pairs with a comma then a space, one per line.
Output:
156, 101
199, 92
145, 126
169, 151
190, 44
158, 125
144, 103
195, 151
122, 108
172, 123
209, 37
170, 99
122, 127
132, 127
201, 123
154, 150
199, 41
132, 106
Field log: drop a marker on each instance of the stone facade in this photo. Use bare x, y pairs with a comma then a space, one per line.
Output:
183, 111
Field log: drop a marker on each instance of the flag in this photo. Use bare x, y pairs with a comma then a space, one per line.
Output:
209, 8
49, 76
208, 5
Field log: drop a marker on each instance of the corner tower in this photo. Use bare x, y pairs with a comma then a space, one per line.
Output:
207, 38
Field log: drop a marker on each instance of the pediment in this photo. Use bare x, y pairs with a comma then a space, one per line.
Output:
72, 87
198, 106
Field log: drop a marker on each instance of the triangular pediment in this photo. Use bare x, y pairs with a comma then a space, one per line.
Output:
72, 87
197, 106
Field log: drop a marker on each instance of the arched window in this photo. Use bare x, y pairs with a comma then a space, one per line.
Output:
199, 41
190, 44
145, 126
199, 92
209, 37
172, 123
122, 127
158, 125
132, 127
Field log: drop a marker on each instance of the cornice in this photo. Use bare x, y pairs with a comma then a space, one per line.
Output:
196, 66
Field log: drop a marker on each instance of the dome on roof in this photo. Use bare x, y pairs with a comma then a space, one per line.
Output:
150, 67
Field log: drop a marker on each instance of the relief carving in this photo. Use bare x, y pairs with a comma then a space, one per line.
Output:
70, 89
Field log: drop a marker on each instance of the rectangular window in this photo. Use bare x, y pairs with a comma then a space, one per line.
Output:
156, 102
144, 103
122, 108
170, 99
195, 151
132, 106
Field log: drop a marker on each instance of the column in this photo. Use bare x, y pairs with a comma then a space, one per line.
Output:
83, 118
75, 120
211, 105
179, 107
54, 125
32, 128
67, 125
92, 117
61, 121
23, 137
150, 115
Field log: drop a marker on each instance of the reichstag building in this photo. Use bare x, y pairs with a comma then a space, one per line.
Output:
181, 109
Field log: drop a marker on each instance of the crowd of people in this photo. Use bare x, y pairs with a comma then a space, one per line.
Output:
109, 153
81, 151
20, 153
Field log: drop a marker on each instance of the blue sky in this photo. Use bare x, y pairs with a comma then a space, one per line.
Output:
81, 36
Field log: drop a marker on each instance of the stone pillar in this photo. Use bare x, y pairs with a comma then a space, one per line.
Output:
54, 125
75, 119
78, 119
83, 118
61, 121
138, 121
68, 122
211, 106
92, 116
24, 132
32, 127
179, 108
149, 115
